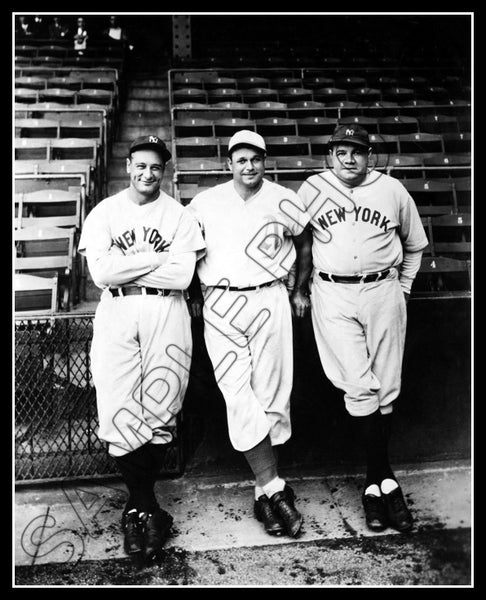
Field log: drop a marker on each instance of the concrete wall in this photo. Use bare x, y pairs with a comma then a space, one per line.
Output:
431, 419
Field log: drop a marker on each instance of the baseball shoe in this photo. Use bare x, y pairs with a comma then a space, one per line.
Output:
397, 511
264, 513
375, 512
132, 530
282, 504
156, 527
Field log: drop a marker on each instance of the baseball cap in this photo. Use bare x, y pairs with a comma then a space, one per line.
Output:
151, 142
245, 137
351, 133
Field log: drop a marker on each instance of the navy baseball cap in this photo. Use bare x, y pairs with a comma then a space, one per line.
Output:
352, 133
151, 142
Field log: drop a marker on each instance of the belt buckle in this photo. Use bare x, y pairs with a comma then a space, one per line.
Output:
120, 292
143, 291
160, 292
331, 277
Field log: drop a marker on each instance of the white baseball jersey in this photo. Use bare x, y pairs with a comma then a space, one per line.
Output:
142, 345
364, 229
248, 334
360, 327
248, 242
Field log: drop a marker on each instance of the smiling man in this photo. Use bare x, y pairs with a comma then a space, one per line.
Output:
141, 247
254, 231
368, 241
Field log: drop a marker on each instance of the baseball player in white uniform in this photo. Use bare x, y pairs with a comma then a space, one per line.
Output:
254, 231
368, 241
141, 248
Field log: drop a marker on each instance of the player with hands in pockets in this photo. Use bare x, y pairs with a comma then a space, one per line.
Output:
368, 241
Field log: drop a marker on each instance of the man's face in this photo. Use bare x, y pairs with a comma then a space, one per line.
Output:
146, 169
350, 163
247, 166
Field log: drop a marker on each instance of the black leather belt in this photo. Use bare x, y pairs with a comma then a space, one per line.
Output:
244, 289
137, 291
354, 278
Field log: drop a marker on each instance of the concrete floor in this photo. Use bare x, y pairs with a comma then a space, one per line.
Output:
73, 524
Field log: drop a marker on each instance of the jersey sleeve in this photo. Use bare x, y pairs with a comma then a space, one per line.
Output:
107, 267
188, 236
296, 216
411, 231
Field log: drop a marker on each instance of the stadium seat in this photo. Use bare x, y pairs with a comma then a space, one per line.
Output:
351, 82
438, 124
274, 126
220, 83
364, 95
196, 147
378, 109
447, 276
47, 251
455, 143
65, 83
282, 83
184, 95
451, 235
36, 128
396, 165
369, 123
59, 95
306, 108
97, 96
184, 127
266, 109
398, 124
32, 148
223, 94
447, 165
74, 148
245, 83
398, 94
342, 108
384, 144
317, 82
432, 197
35, 295
411, 143
330, 94
259, 94
315, 126
30, 83
81, 125
50, 208
287, 146
294, 94
26, 95
228, 127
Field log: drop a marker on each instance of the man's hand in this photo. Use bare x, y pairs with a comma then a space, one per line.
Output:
300, 302
195, 306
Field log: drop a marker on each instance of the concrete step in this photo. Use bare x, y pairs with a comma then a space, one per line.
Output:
139, 93
130, 133
130, 118
149, 83
151, 105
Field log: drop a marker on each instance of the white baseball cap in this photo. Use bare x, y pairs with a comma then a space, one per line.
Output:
245, 137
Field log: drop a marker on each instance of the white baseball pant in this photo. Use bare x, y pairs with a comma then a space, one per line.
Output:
249, 341
360, 335
140, 361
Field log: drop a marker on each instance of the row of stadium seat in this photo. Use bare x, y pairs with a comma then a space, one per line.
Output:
315, 125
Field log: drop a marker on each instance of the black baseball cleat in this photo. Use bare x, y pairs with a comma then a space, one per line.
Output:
282, 504
398, 514
133, 534
264, 513
156, 527
375, 512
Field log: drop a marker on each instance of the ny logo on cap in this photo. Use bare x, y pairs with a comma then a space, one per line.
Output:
350, 132
153, 139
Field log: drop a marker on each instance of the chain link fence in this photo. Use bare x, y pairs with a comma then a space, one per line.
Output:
55, 403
